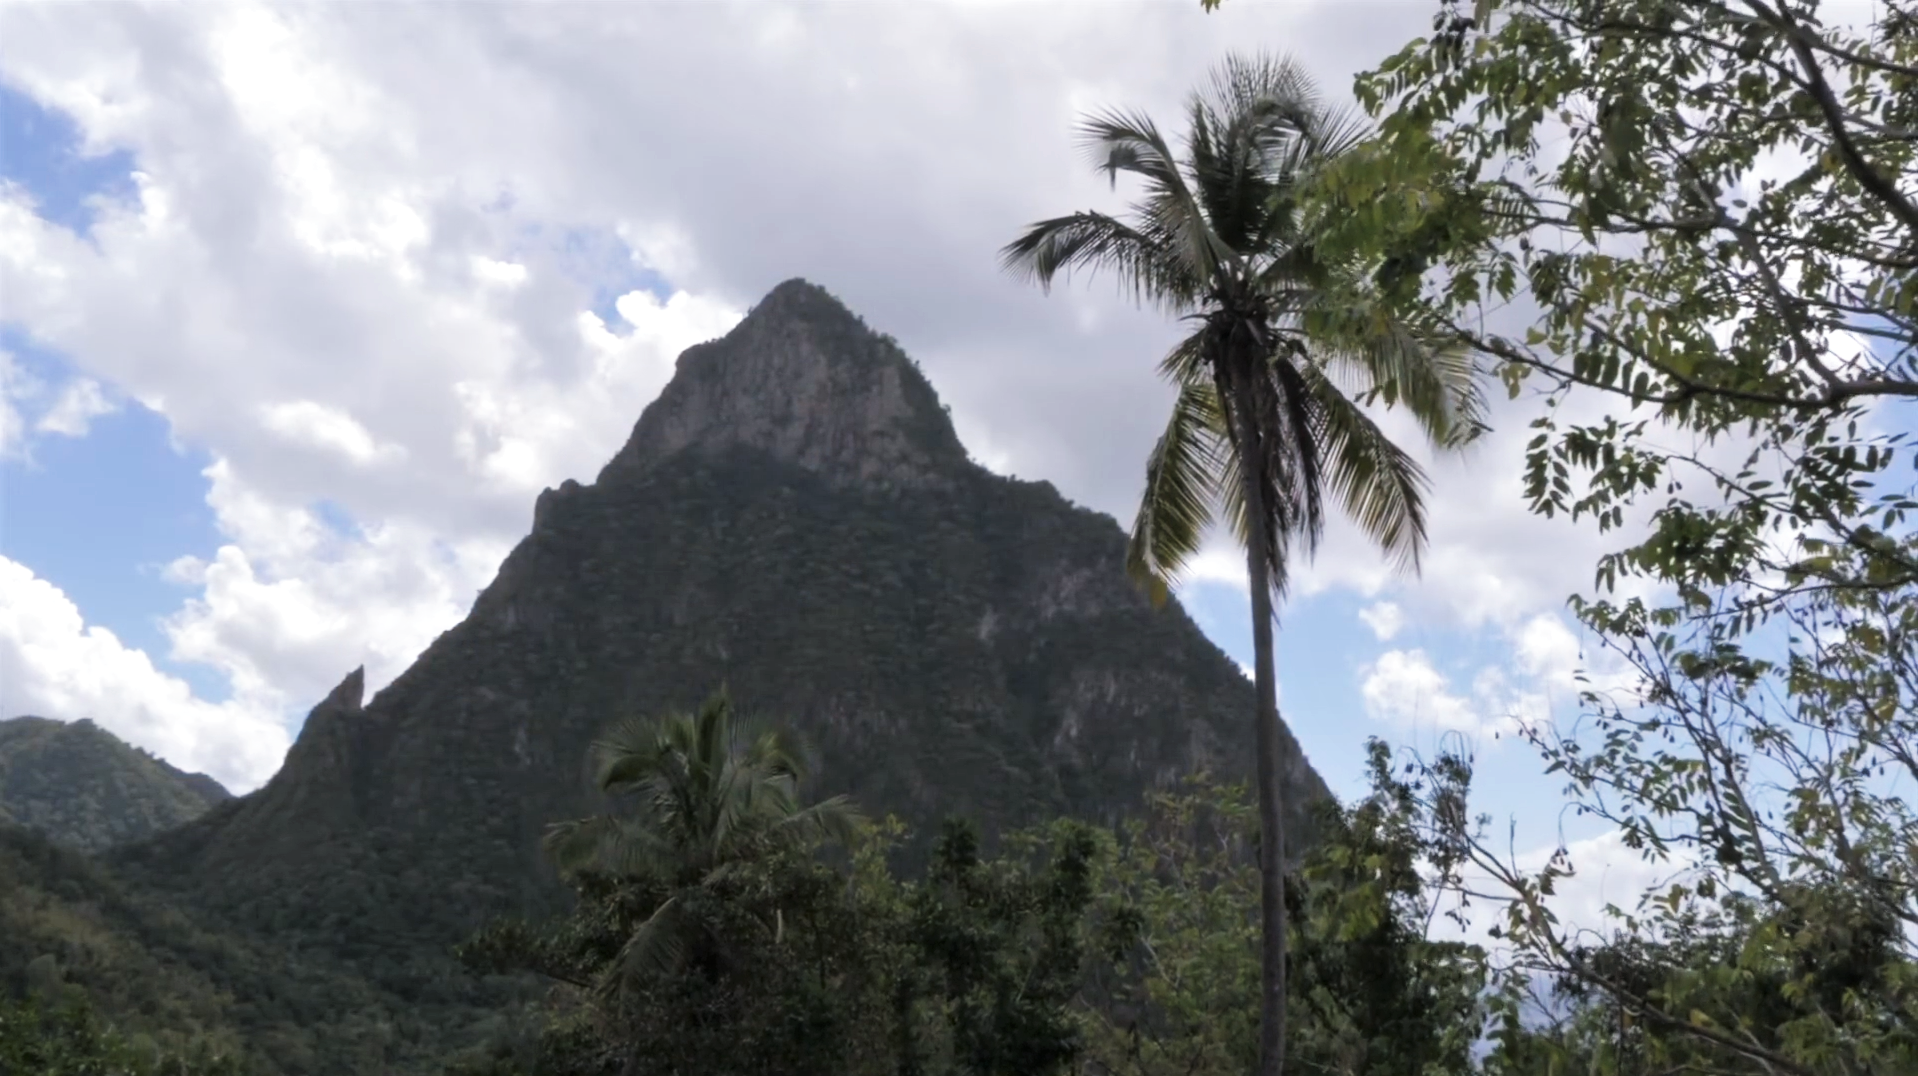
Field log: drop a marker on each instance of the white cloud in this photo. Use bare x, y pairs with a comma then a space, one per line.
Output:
291, 605
55, 665
23, 411
1403, 687
73, 412
504, 274
328, 429
1384, 618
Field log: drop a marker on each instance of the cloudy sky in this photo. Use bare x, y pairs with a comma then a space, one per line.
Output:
301, 307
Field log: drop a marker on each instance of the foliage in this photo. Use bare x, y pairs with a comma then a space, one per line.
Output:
1710, 207
185, 978
787, 983
1005, 946
84, 787
707, 798
1710, 210
819, 971
1370, 993
66, 1038
1782, 962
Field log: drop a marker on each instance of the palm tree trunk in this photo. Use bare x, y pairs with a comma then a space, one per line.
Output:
1271, 816
1265, 684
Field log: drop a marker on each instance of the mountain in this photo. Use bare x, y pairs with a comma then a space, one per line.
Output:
795, 518
88, 789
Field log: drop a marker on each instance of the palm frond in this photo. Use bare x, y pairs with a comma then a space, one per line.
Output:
1116, 140
835, 820
577, 844
629, 749
1436, 382
658, 946
1182, 475
1328, 133
1244, 83
1191, 358
1170, 212
1380, 486
1248, 120
712, 747
1220, 235
1143, 266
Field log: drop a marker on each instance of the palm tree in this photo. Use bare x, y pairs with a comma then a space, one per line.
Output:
1263, 429
710, 798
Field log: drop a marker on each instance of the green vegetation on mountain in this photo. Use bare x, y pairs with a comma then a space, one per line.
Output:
1263, 431
72, 933
67, 1038
88, 789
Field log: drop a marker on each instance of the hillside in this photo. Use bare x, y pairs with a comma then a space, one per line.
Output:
88, 789
179, 976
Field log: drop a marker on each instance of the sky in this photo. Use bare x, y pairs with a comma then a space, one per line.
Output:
301, 307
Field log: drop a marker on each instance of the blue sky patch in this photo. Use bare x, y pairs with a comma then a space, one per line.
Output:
338, 520
41, 150
1321, 663
101, 516
602, 261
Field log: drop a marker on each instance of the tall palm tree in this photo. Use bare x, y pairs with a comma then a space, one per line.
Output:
1263, 430
709, 798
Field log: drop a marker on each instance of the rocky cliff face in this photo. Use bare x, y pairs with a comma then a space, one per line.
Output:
87, 789
804, 382
795, 518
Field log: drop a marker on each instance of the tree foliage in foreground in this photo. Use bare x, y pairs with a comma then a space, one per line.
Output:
1073, 949
818, 970
1372, 996
1690, 227
706, 798
1701, 216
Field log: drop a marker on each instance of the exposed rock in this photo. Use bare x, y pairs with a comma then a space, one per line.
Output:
803, 380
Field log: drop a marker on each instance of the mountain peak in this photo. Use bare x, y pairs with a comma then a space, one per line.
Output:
805, 380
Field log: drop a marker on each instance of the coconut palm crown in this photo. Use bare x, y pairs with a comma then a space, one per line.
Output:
708, 798
1284, 352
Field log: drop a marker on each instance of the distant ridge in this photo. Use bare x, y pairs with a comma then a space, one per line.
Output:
89, 790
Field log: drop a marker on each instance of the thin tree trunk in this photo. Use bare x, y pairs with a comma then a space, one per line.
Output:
1271, 806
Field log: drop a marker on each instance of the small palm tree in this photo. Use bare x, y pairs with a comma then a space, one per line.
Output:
1263, 430
709, 799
